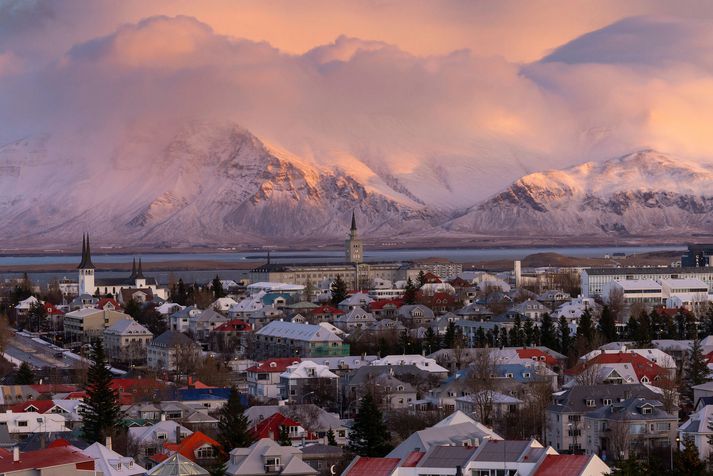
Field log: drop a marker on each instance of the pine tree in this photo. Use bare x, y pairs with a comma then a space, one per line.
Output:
696, 371
410, 292
585, 327
369, 435
564, 336
181, 294
132, 308
607, 325
421, 278
708, 321
687, 460
100, 413
233, 427
529, 331
548, 334
516, 333
24, 375
450, 336
339, 291
504, 341
431, 341
331, 438
284, 436
217, 286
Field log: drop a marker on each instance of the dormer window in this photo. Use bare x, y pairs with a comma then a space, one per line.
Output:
508, 375
646, 410
591, 403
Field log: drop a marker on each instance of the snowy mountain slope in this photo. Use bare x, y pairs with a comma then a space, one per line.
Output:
211, 184
645, 193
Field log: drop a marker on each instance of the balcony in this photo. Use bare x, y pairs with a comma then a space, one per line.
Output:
272, 468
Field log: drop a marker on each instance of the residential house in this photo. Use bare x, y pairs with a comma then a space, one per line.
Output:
531, 309
266, 457
309, 379
415, 315
424, 363
355, 319
229, 337
699, 427
166, 351
111, 463
197, 447
314, 419
501, 405
355, 300
150, 439
179, 321
126, 341
323, 313
264, 377
286, 339
634, 427
87, 324
53, 461
272, 427
204, 323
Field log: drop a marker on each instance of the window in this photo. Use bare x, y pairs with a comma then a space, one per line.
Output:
22, 423
205, 452
272, 461
646, 410
591, 403
606, 401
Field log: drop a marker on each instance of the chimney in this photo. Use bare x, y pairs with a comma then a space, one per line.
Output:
459, 471
108, 442
178, 434
163, 417
16, 453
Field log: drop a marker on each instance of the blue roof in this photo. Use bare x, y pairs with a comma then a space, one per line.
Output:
208, 394
516, 370
270, 298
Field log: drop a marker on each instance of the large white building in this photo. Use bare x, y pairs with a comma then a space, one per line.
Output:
593, 280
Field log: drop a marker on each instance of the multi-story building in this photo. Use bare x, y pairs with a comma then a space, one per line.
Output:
634, 427
593, 280
565, 425
126, 341
87, 324
306, 378
264, 377
288, 339
167, 351
441, 267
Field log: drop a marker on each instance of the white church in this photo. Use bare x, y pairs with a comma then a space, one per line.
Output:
136, 282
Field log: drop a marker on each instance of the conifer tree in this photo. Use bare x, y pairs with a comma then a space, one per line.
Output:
564, 336
548, 334
369, 435
607, 325
284, 436
24, 375
410, 292
585, 327
529, 332
696, 371
100, 413
450, 336
421, 278
233, 428
339, 291
687, 460
331, 438
181, 294
431, 341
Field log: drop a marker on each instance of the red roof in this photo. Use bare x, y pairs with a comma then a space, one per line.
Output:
59, 442
104, 301
431, 278
376, 305
459, 283
270, 427
123, 398
40, 406
639, 364
529, 353
365, 466
235, 325
47, 458
325, 309
412, 459
51, 388
52, 310
562, 465
158, 457
189, 445
274, 365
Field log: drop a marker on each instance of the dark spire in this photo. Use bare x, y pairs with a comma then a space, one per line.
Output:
133, 269
86, 262
353, 221
139, 272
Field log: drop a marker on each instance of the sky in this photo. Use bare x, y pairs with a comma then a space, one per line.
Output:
465, 91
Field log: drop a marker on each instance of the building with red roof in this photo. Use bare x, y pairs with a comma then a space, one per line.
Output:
537, 355
229, 336
385, 308
198, 447
365, 466
264, 377
108, 304
271, 426
622, 364
574, 465
439, 302
55, 460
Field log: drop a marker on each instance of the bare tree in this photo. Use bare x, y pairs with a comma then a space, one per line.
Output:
619, 439
481, 383
589, 375
186, 359
616, 303
669, 393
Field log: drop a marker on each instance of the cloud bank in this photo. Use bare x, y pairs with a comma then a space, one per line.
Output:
472, 117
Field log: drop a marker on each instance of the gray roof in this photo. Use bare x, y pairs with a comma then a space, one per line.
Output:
177, 465
501, 450
172, 339
574, 400
631, 410
303, 332
320, 449
447, 456
366, 374
652, 270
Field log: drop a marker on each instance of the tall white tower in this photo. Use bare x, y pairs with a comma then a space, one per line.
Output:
354, 250
86, 269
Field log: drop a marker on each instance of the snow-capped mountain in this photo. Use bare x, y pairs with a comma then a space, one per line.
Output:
644, 193
206, 184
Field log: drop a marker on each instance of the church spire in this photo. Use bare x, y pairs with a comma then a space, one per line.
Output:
354, 228
133, 269
139, 271
86, 262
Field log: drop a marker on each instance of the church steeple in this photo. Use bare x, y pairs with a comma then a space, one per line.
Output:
133, 269
86, 262
353, 247
354, 228
139, 271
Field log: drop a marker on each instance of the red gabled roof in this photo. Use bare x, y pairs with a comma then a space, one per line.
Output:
281, 364
235, 325
59, 442
188, 446
52, 310
42, 406
325, 309
365, 466
123, 398
270, 427
459, 283
639, 364
103, 302
52, 388
562, 465
431, 278
135, 385
529, 353
46, 458
376, 305
412, 459
158, 457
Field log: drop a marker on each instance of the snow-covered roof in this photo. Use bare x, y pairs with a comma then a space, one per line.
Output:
638, 285
290, 330
127, 327
111, 463
308, 369
423, 363
273, 287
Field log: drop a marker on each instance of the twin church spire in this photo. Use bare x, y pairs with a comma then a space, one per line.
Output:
86, 262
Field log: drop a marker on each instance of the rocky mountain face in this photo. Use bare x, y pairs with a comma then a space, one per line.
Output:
645, 193
220, 185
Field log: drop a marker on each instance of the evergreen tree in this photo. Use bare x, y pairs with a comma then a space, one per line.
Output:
233, 428
181, 295
630, 467
643, 334
24, 375
548, 334
564, 336
504, 341
681, 323
687, 460
529, 331
431, 341
133, 308
450, 336
585, 327
516, 334
607, 325
410, 292
339, 291
217, 287
480, 337
696, 371
632, 328
331, 438
284, 439
369, 435
708, 321
421, 278
536, 336
100, 413
37, 318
